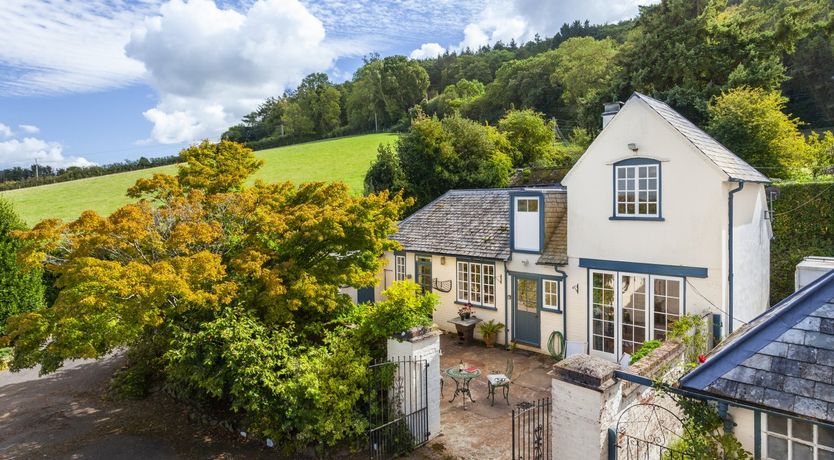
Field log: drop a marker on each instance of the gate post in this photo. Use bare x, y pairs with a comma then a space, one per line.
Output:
424, 347
582, 400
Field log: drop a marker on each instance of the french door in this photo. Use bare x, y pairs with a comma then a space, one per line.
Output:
627, 309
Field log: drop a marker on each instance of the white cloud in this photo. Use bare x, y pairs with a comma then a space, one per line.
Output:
427, 51
61, 47
211, 65
5, 131
29, 129
24, 152
521, 20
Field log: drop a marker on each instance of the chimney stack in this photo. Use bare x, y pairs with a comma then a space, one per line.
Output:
611, 109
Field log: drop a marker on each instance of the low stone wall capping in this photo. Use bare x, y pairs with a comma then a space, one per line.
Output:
588, 399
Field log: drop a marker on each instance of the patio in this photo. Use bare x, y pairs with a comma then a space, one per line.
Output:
482, 431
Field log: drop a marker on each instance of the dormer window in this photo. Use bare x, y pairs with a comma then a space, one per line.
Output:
637, 189
527, 223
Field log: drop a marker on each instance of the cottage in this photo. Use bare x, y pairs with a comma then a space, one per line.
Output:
776, 376
653, 222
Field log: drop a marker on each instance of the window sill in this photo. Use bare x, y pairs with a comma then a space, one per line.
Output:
526, 251
475, 305
650, 219
551, 310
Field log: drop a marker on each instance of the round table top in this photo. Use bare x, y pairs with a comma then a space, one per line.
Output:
462, 374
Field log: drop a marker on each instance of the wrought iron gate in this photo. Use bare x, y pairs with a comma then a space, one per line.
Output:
531, 431
647, 432
397, 407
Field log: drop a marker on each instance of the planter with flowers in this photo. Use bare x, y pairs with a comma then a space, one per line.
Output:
465, 312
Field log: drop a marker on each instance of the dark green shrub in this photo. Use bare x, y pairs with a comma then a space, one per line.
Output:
803, 225
21, 290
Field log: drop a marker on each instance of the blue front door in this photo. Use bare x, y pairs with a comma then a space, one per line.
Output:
526, 300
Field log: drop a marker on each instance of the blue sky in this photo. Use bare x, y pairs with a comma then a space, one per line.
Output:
98, 81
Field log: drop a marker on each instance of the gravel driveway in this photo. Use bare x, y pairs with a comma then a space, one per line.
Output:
67, 415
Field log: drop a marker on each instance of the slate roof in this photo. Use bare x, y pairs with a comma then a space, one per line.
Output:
782, 360
555, 230
470, 223
736, 168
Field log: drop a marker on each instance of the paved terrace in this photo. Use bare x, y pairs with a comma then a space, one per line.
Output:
482, 431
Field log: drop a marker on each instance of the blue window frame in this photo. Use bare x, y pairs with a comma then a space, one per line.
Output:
637, 190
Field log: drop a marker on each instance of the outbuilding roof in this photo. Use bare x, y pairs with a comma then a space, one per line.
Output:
470, 223
782, 360
735, 168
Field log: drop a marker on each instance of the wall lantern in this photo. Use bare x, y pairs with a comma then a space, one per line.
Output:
442, 260
633, 147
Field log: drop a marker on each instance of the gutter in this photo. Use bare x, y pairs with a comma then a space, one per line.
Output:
731, 318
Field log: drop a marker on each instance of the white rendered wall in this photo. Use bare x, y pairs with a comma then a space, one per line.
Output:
694, 206
422, 348
751, 241
444, 268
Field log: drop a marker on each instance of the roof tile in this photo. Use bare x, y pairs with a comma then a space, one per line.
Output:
730, 163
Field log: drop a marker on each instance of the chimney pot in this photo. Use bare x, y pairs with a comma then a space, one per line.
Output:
610, 109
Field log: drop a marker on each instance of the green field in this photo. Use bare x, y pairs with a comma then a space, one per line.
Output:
345, 159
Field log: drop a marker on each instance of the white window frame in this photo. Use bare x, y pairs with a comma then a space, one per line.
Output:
815, 445
652, 313
477, 285
399, 267
555, 295
618, 308
637, 189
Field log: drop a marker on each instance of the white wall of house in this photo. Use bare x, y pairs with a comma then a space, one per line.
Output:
693, 206
444, 268
751, 240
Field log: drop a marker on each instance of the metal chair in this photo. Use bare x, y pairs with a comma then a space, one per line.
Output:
498, 380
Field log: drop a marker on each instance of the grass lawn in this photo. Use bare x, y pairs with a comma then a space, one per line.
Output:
345, 159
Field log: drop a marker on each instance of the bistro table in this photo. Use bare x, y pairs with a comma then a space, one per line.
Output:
462, 378
465, 328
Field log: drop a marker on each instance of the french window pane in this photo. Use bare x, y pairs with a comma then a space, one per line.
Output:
801, 451
802, 430
777, 448
653, 171
825, 436
777, 424
825, 455
630, 173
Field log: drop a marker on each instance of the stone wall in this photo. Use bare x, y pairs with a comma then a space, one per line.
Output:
588, 399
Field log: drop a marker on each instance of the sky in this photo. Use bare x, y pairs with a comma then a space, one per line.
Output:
99, 81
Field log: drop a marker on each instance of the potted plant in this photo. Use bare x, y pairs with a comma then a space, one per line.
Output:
465, 311
490, 331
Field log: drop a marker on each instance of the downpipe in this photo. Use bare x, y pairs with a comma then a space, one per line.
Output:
731, 319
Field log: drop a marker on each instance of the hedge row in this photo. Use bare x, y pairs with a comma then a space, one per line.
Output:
803, 225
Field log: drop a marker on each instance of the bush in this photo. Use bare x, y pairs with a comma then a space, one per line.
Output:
21, 290
644, 350
803, 225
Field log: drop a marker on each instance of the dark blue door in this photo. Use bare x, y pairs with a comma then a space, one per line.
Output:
526, 299
365, 294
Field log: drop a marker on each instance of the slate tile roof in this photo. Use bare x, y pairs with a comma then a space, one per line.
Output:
784, 359
555, 230
730, 163
474, 223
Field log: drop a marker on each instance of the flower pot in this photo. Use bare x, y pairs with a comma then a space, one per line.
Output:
467, 315
489, 340
461, 317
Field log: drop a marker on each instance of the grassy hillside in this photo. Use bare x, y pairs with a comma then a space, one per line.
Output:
345, 159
